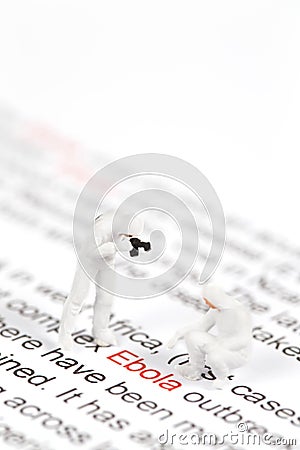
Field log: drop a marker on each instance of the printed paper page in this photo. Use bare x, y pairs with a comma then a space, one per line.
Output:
129, 396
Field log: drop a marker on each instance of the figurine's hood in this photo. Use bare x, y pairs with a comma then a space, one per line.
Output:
121, 224
218, 297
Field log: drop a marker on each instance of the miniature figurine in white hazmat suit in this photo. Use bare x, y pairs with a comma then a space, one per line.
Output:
228, 349
105, 241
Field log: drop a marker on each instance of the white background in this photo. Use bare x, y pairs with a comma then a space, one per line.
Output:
215, 82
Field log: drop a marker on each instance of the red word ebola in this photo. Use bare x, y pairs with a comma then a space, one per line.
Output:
133, 363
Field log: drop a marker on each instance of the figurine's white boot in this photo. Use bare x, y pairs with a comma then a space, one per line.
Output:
105, 337
190, 371
219, 384
195, 342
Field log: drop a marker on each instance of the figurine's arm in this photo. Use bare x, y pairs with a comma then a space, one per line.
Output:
205, 324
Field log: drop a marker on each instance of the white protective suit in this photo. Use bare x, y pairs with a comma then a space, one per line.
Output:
105, 242
229, 348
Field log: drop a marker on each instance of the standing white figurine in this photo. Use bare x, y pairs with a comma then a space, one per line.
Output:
227, 350
100, 262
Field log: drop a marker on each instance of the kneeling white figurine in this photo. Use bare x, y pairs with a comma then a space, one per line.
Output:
101, 261
228, 349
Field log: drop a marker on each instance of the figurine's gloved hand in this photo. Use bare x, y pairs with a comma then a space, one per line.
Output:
178, 335
105, 337
173, 341
123, 244
107, 250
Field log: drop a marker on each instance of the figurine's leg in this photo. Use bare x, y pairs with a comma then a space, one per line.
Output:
219, 360
102, 308
72, 307
222, 361
195, 342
